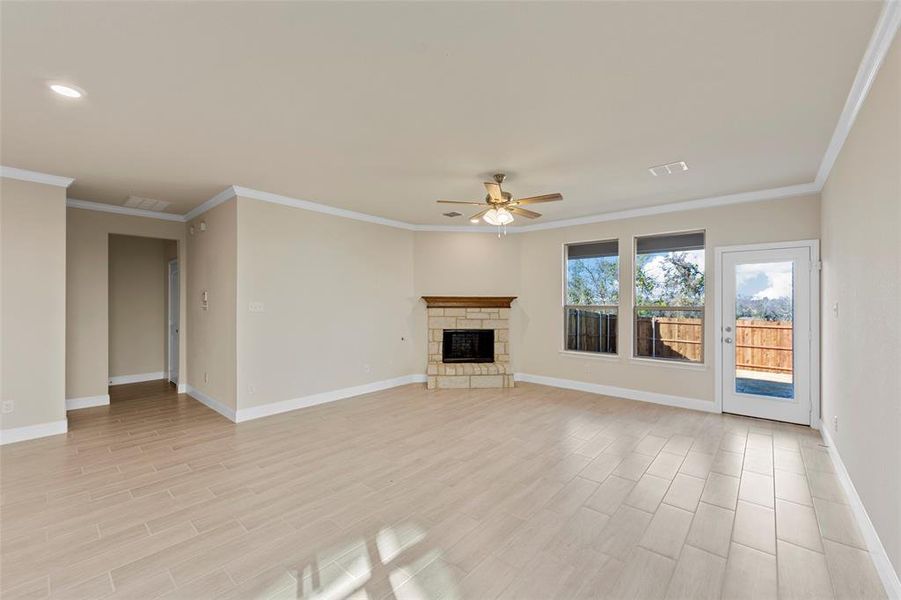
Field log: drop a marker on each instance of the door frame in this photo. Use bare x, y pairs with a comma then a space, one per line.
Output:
814, 308
172, 263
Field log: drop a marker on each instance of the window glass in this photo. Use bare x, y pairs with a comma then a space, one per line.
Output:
592, 296
669, 297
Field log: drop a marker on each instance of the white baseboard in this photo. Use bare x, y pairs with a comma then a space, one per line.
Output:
628, 393
182, 388
137, 378
881, 561
87, 402
274, 408
20, 434
210, 402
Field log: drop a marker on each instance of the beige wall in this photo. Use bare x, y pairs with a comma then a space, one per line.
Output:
337, 299
542, 291
861, 228
138, 274
87, 292
211, 266
33, 312
466, 264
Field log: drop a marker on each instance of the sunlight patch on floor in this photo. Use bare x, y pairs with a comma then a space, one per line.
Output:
396, 562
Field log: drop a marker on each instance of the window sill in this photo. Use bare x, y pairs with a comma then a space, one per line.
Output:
591, 355
670, 364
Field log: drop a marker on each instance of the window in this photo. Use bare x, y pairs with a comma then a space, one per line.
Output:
669, 296
592, 296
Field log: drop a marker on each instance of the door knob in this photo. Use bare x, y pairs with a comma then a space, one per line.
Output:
728, 329
728, 340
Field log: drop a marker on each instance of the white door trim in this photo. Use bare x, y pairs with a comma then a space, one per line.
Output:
814, 246
173, 264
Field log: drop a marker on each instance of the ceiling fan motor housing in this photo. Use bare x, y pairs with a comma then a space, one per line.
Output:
507, 197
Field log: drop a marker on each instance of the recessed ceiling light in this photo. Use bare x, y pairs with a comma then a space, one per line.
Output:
66, 90
668, 168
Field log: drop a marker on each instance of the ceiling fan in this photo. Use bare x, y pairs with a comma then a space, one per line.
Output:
499, 206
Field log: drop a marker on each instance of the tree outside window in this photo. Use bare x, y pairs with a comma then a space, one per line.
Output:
669, 297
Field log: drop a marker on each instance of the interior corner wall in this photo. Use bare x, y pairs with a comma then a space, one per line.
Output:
138, 331
33, 298
87, 292
861, 287
335, 299
212, 268
467, 264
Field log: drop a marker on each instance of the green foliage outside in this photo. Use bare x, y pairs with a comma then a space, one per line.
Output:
592, 281
767, 309
670, 279
664, 279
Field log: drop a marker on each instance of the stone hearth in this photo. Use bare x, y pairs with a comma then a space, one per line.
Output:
459, 312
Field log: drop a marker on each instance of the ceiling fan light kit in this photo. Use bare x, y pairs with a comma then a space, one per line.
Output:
498, 217
500, 205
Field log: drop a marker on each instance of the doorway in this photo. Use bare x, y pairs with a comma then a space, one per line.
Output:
174, 321
767, 316
143, 309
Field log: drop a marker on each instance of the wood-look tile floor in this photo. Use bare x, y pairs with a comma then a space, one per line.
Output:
530, 493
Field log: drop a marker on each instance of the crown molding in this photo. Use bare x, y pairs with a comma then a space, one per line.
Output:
35, 177
714, 201
235, 191
223, 196
462, 228
744, 197
873, 57
320, 208
122, 210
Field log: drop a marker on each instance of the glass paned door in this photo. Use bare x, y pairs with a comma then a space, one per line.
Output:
766, 333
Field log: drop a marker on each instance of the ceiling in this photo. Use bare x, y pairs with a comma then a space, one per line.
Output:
383, 108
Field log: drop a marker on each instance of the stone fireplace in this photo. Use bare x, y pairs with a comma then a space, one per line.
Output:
469, 342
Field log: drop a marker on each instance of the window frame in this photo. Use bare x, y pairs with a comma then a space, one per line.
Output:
565, 306
633, 339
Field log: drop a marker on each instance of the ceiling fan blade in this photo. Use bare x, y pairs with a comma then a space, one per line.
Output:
494, 190
537, 199
474, 218
459, 202
529, 214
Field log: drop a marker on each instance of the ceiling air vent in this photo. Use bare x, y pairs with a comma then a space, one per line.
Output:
669, 168
146, 203
451, 214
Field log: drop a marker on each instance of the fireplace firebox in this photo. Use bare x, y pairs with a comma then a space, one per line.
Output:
468, 346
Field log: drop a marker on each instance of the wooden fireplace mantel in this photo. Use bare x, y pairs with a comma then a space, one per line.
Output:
468, 301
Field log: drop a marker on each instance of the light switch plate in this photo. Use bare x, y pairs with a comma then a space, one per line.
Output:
256, 307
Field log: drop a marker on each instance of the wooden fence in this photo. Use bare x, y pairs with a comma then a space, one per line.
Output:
590, 331
763, 345
759, 345
670, 337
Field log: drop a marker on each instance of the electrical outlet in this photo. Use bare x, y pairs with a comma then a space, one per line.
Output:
251, 389
835, 309
206, 377
367, 368
835, 423
7, 406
